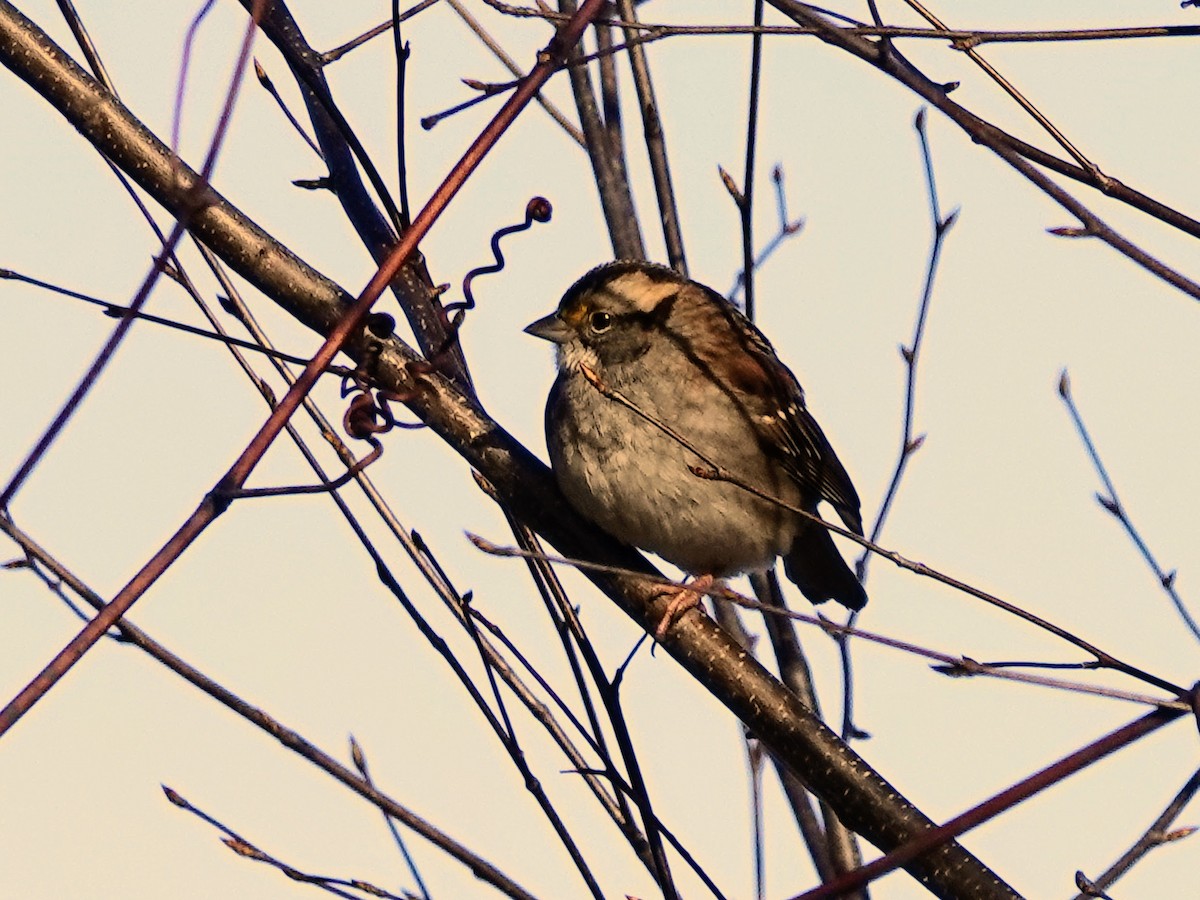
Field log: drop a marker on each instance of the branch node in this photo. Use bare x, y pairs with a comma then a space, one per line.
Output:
730, 185
1072, 231
1177, 834
324, 183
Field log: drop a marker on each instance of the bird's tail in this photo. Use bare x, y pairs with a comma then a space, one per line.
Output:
816, 567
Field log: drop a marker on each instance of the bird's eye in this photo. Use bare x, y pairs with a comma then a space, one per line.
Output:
600, 321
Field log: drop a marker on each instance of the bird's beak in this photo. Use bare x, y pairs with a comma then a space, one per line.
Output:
551, 328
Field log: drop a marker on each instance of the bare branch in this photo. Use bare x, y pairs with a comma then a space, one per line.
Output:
247, 850
910, 442
1086, 164
1013, 151
1002, 801
608, 163
1155, 836
509, 63
1112, 503
656, 147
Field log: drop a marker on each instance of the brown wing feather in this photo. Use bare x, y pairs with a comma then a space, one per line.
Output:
773, 400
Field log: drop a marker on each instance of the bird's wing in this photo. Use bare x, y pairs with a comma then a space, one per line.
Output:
780, 416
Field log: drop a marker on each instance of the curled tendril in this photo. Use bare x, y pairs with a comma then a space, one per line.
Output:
369, 412
536, 210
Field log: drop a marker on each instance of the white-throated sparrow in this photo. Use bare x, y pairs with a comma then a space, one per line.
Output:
685, 357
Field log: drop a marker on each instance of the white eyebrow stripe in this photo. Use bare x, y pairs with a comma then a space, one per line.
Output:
642, 292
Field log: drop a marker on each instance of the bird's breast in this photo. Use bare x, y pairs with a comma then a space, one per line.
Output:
633, 480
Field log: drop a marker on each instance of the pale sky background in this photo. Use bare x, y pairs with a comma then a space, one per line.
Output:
277, 602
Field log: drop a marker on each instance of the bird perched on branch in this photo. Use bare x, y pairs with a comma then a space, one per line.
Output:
666, 396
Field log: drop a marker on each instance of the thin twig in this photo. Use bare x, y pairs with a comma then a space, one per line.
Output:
910, 443
116, 310
746, 206
754, 763
330, 56
84, 40
1091, 168
973, 37
487, 90
1155, 836
401, 52
359, 758
1113, 505
949, 664
30, 563
608, 163
509, 63
185, 64
787, 227
247, 850
268, 85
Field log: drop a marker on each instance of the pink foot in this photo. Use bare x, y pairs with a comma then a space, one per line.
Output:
686, 597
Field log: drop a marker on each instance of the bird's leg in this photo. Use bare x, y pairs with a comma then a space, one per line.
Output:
686, 597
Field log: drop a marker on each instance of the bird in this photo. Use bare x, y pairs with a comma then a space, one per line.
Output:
661, 378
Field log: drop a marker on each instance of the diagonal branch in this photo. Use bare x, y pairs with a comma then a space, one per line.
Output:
1154, 836
1006, 799
1113, 505
509, 63
1014, 152
656, 147
608, 163
343, 153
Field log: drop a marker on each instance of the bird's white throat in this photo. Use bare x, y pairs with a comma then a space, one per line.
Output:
574, 354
